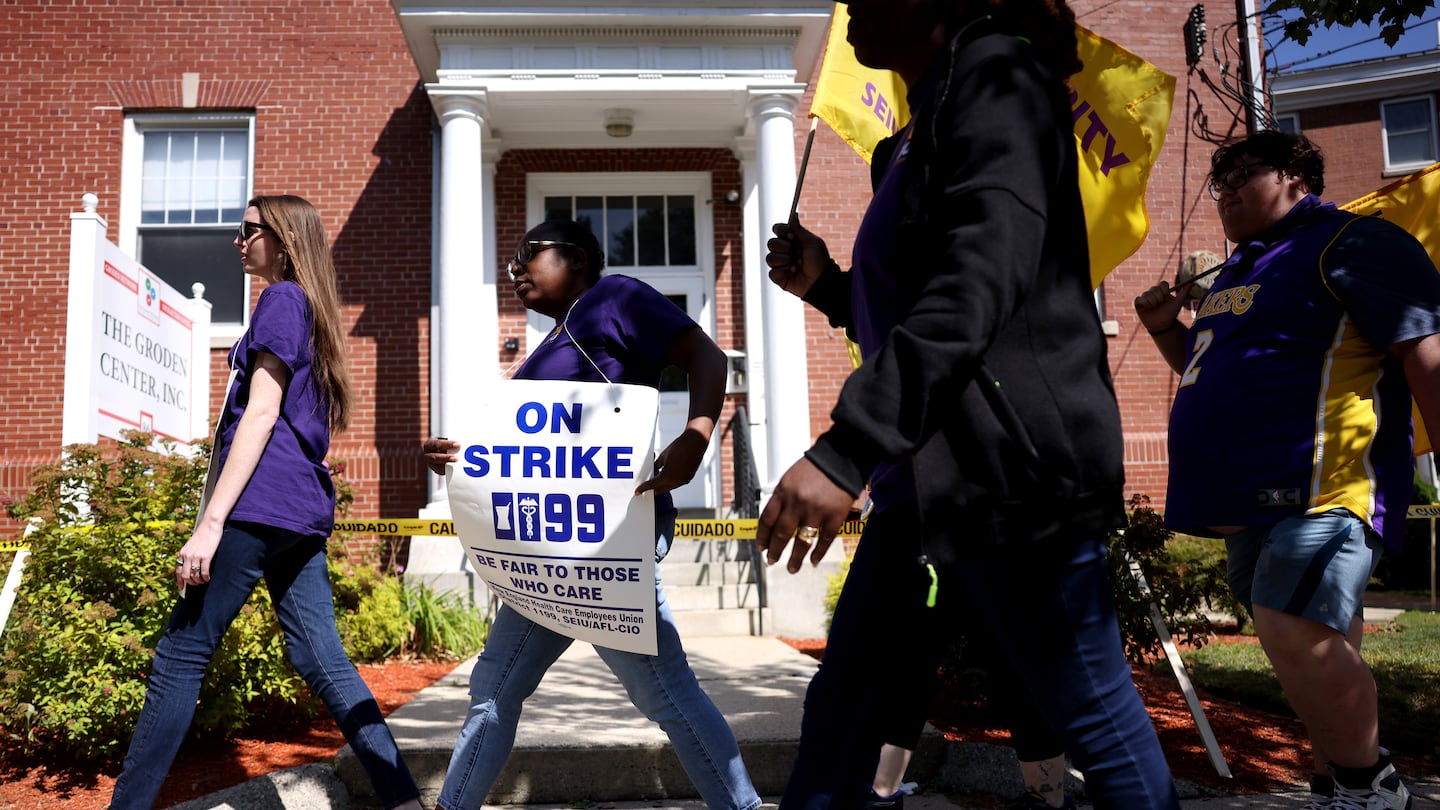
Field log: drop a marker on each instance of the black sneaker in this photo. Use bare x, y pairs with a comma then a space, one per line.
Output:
1033, 801
1385, 792
877, 802
1322, 793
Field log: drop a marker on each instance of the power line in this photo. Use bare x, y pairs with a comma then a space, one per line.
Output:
1333, 51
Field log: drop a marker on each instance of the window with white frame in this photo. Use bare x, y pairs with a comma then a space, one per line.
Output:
1409, 129
185, 185
1287, 122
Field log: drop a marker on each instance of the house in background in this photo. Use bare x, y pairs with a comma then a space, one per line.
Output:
1374, 119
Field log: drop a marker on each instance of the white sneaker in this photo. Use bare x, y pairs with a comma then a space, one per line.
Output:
1385, 792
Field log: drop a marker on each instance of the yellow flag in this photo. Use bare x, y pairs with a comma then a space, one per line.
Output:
1413, 203
863, 105
1121, 105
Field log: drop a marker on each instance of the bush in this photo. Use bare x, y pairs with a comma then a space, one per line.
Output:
1409, 568
442, 626
97, 593
369, 609
1186, 576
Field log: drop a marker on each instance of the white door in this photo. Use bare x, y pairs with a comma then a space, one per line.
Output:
655, 228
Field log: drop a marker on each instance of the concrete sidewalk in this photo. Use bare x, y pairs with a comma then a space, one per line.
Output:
582, 744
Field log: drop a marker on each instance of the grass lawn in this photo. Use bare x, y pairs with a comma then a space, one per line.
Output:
1405, 657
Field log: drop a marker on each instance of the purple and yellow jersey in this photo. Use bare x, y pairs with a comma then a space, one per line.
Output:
1290, 401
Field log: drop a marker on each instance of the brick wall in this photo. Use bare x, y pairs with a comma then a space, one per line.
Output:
340, 120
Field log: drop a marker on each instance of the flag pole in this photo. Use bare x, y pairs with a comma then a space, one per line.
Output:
804, 161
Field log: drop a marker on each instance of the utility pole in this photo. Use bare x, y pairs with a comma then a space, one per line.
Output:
1252, 70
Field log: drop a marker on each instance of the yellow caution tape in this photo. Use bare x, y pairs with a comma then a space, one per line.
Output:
404, 527
685, 528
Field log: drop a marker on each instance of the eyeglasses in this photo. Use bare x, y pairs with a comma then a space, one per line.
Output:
1234, 179
248, 230
528, 249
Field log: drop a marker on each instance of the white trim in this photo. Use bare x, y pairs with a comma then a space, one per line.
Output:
132, 158
1355, 81
1294, 119
539, 185
1406, 168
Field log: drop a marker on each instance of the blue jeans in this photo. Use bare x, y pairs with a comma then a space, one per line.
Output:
294, 569
1051, 614
516, 656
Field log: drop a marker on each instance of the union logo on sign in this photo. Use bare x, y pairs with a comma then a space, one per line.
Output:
147, 297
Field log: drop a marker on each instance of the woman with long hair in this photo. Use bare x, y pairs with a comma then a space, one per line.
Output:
268, 510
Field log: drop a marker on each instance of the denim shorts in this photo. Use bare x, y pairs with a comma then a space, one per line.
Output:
1312, 566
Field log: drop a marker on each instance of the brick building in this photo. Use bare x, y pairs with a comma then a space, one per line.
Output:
430, 136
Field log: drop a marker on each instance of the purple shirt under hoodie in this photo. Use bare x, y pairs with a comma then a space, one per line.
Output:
291, 487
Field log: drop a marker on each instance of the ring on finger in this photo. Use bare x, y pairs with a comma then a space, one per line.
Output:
807, 534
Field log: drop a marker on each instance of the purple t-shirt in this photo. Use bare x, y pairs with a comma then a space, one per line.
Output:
874, 303
625, 327
291, 487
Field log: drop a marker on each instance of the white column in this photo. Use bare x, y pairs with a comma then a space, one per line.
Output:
464, 314
756, 280
786, 375
467, 332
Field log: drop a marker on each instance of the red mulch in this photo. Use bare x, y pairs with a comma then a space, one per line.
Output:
1264, 750
207, 764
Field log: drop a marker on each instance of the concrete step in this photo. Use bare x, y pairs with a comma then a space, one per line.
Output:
580, 740
718, 622
705, 573
703, 597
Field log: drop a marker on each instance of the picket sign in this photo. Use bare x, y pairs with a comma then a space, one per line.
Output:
544, 502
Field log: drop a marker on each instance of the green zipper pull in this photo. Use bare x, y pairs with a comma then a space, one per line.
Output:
934, 581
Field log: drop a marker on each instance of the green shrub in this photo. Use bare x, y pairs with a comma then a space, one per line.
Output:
369, 609
1186, 576
442, 625
1409, 567
97, 592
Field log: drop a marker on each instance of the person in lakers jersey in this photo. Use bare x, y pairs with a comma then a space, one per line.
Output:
1290, 434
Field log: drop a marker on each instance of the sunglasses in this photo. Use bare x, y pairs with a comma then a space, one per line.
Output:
529, 248
1234, 179
248, 230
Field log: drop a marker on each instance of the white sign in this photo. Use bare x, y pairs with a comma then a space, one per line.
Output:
141, 375
137, 351
543, 501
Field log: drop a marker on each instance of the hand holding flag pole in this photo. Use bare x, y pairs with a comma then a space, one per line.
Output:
800, 176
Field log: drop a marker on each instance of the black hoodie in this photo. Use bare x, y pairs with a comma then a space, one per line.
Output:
994, 383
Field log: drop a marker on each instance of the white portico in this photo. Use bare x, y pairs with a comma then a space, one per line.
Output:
643, 75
